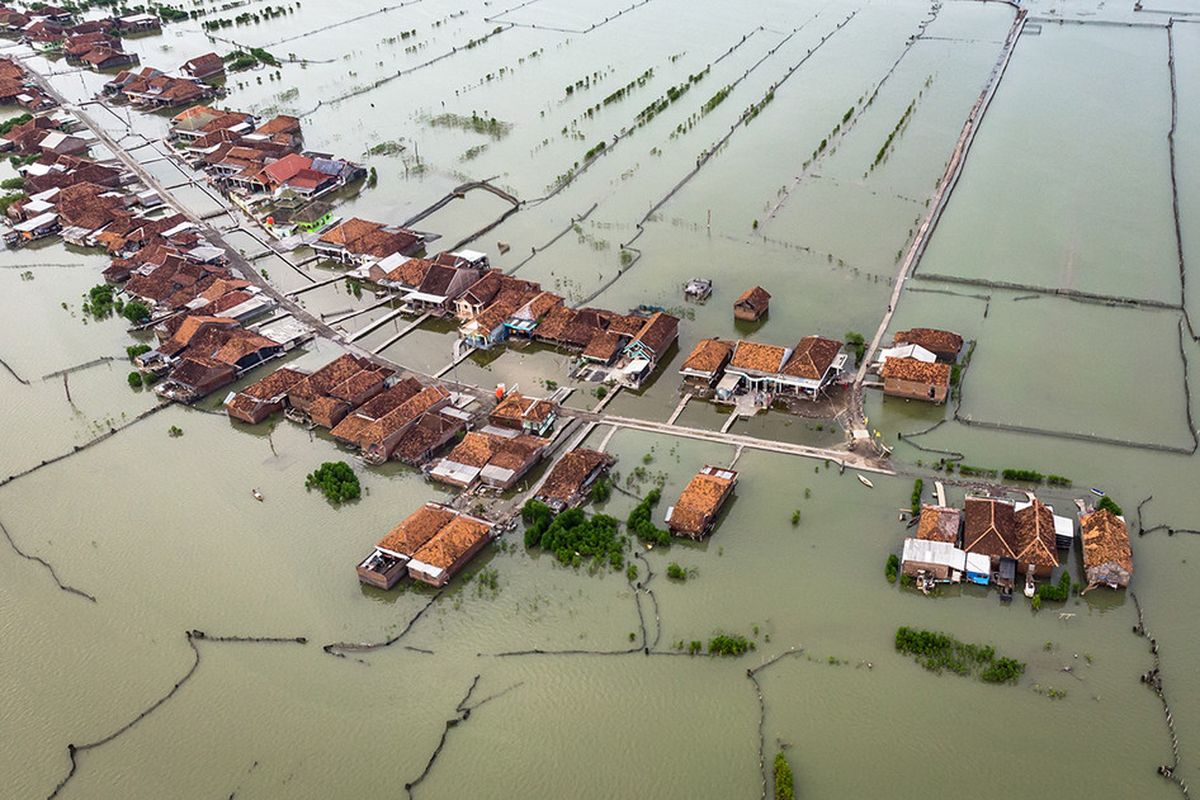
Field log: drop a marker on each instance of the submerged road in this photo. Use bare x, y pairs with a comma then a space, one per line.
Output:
938, 203
242, 265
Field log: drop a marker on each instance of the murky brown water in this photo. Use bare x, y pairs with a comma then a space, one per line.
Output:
1067, 187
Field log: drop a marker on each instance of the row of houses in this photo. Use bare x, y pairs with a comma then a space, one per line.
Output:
16, 87
151, 88
993, 540
430, 545
920, 364
729, 368
47, 26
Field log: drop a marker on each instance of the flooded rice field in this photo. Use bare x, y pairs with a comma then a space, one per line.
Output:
167, 636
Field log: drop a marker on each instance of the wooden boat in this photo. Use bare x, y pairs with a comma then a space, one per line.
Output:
1097, 492
257, 495
865, 482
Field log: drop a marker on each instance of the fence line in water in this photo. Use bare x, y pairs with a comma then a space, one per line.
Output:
74, 751
1154, 680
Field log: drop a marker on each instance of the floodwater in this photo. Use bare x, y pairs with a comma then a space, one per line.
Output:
1067, 187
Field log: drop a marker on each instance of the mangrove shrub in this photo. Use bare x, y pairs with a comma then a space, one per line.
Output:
336, 480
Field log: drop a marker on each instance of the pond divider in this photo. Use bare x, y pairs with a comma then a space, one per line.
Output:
13, 372
66, 587
64, 372
340, 649
586, 30
1171, 531
79, 448
752, 674
1154, 680
1069, 294
463, 714
74, 751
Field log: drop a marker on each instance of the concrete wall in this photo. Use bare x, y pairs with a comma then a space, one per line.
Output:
914, 390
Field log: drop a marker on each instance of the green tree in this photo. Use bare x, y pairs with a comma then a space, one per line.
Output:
336, 480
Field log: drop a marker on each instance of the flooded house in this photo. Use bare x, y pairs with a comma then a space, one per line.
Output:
654, 339
362, 241
526, 414
752, 304
208, 65
697, 290
525, 320
496, 457
378, 436
326, 396
990, 529
940, 524
1037, 548
432, 431
916, 380
805, 370
261, 399
350, 429
932, 560
431, 545
696, 510
706, 363
1107, 555
945, 345
209, 356
571, 478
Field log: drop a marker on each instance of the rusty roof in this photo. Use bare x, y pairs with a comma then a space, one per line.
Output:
518, 408
430, 429
912, 369
389, 399
417, 529
349, 231
658, 332
1105, 538
756, 299
275, 384
932, 339
990, 528
708, 356
1035, 536
758, 357
604, 346
453, 541
566, 478
412, 272
240, 344
812, 357
362, 381
700, 500
404, 414
939, 523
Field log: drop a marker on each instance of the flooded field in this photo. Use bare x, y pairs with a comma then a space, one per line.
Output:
802, 153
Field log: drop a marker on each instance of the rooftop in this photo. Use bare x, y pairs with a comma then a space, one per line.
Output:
708, 355
1105, 538
939, 523
932, 339
911, 369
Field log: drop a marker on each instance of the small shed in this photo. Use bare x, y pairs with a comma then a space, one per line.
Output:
751, 306
941, 561
697, 289
979, 568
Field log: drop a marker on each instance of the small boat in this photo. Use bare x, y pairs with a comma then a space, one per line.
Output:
865, 482
1097, 492
257, 495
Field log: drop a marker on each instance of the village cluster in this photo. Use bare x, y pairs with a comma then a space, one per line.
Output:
994, 541
212, 328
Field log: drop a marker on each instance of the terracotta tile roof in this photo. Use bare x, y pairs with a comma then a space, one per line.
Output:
453, 541
483, 290
604, 346
219, 287
349, 231
411, 272
389, 399
584, 324
568, 475
361, 381
324, 410
1035, 536
911, 369
755, 299
539, 306
758, 357
281, 123
500, 309
990, 528
517, 408
708, 356
939, 524
554, 323
430, 430
351, 429
404, 414
240, 344
475, 450
628, 324
658, 332
275, 384
1105, 538
195, 371
699, 502
932, 339
416, 529
437, 279
287, 167
337, 371
812, 357
204, 65
193, 325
